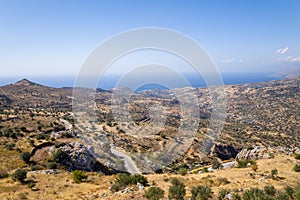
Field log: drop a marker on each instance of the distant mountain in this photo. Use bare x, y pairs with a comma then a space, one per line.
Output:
25, 93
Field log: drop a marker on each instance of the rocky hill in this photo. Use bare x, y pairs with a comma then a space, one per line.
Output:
258, 114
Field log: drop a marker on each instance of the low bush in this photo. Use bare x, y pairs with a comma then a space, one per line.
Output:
19, 175
25, 157
274, 174
59, 156
124, 180
282, 196
297, 168
182, 171
201, 193
297, 156
296, 195
177, 191
236, 196
216, 164
10, 146
51, 165
290, 191
154, 193
223, 193
253, 193
270, 190
79, 176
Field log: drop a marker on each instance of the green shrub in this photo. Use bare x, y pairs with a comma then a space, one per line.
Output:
297, 156
282, 196
154, 193
216, 164
59, 156
270, 190
204, 170
290, 191
222, 193
201, 193
121, 182
177, 190
35, 167
31, 185
253, 193
10, 146
297, 168
60, 144
274, 173
40, 136
138, 178
31, 142
236, 196
19, 175
182, 171
254, 167
296, 194
25, 157
126, 179
51, 165
78, 176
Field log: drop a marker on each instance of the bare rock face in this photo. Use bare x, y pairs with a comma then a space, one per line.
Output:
256, 153
224, 151
79, 157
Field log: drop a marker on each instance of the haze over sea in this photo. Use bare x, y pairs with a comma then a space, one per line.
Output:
109, 81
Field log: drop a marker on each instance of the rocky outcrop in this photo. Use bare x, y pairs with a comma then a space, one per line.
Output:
78, 157
256, 153
224, 151
261, 152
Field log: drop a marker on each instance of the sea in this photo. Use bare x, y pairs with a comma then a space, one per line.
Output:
108, 82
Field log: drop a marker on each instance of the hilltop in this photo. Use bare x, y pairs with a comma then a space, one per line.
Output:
37, 125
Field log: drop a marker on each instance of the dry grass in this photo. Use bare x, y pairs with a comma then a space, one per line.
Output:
9, 159
61, 186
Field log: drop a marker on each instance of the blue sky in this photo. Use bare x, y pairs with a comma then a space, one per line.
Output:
45, 38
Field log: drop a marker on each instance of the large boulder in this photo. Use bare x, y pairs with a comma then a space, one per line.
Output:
224, 151
78, 157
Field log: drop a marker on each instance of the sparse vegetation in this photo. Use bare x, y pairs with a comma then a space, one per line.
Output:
124, 180
154, 193
79, 176
25, 157
270, 190
223, 193
245, 163
177, 191
216, 164
201, 193
297, 168
19, 175
182, 171
297, 156
274, 174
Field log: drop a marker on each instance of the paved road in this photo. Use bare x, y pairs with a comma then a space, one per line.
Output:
228, 164
225, 166
129, 165
67, 124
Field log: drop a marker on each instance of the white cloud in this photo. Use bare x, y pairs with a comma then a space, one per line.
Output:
282, 50
231, 60
293, 59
